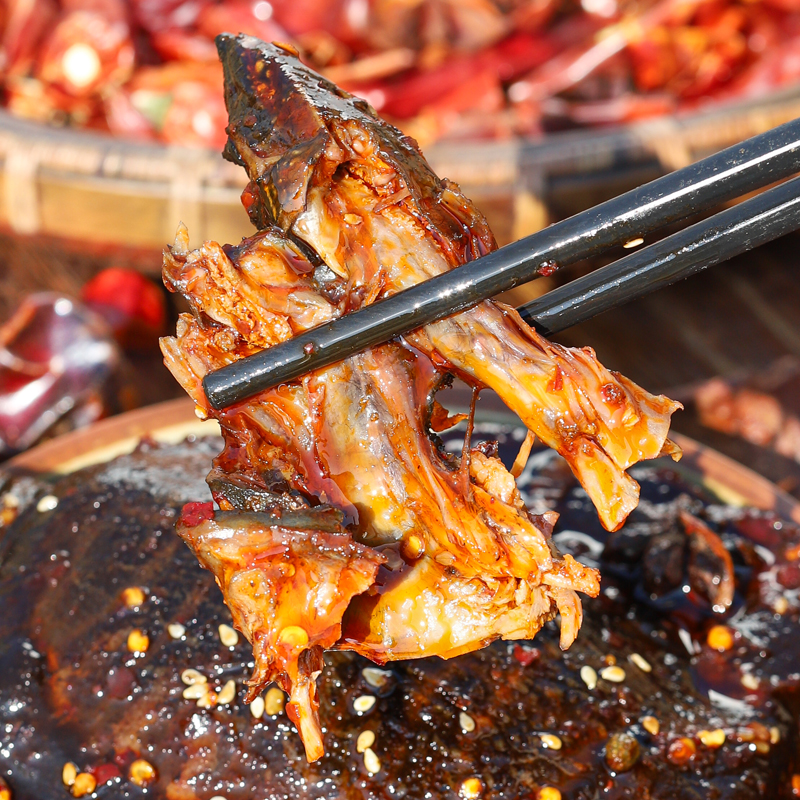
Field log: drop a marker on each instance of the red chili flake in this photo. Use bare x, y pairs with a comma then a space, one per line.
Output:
548, 268
557, 383
103, 773
612, 394
194, 513
526, 656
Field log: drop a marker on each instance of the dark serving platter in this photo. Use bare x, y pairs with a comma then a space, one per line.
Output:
686, 718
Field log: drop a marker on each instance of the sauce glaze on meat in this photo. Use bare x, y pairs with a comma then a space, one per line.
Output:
431, 554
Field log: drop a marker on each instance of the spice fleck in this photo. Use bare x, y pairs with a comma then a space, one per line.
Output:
551, 741
363, 703
176, 630
466, 722
639, 661
47, 503
589, 677
257, 707
651, 725
274, 701
138, 641
228, 636
613, 674
227, 693
190, 676
371, 761
365, 739
68, 773
142, 772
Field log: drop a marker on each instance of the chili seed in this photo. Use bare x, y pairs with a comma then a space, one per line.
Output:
641, 662
365, 739
190, 676
228, 636
196, 691
85, 783
551, 741
377, 678
133, 597
363, 703
274, 701
142, 772
176, 630
257, 707
68, 773
613, 674
227, 693
371, 761
138, 641
651, 725
589, 677
713, 739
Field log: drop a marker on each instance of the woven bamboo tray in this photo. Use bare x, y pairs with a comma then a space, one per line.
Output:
95, 188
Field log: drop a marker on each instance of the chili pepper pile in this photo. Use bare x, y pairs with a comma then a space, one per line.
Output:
148, 69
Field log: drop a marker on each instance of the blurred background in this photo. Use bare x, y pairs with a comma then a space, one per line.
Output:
112, 123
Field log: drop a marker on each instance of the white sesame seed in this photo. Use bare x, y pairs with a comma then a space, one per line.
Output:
781, 605
274, 701
227, 693
376, 677
219, 797
589, 676
640, 662
371, 761
614, 674
196, 690
466, 722
176, 630
365, 739
191, 676
47, 503
363, 703
257, 707
551, 741
774, 735
633, 243
228, 636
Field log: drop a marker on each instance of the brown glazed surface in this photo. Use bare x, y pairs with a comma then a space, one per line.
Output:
71, 691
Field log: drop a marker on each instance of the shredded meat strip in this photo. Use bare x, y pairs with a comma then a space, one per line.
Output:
430, 554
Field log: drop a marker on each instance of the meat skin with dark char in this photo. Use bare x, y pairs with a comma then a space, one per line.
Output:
447, 556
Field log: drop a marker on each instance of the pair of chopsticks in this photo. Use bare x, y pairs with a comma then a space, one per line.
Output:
753, 164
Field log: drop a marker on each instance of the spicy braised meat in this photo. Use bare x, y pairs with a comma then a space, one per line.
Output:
404, 550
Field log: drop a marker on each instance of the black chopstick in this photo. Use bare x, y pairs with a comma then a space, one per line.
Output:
725, 235
752, 164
